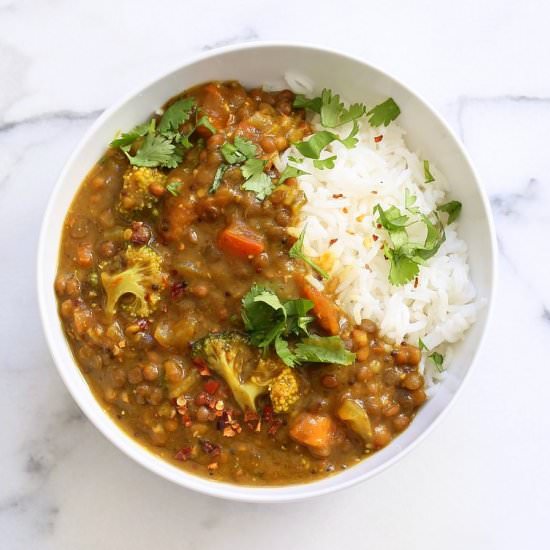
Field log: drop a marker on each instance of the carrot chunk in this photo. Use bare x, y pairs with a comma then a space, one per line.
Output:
315, 431
240, 240
324, 309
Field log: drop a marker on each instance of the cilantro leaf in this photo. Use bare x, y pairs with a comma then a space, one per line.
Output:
328, 162
205, 121
246, 147
297, 251
178, 113
127, 139
155, 151
290, 172
437, 359
452, 208
323, 349
316, 143
422, 346
333, 112
256, 180
216, 182
174, 187
351, 141
428, 178
402, 268
302, 102
383, 113
295, 160
238, 152
283, 350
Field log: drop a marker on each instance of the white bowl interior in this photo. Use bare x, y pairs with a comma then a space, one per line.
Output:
253, 65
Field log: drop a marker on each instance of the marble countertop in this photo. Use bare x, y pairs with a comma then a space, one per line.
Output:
481, 479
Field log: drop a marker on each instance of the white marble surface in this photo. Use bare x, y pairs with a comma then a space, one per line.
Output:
482, 479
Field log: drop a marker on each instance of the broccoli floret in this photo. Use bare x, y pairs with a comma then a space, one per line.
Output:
230, 356
143, 279
284, 390
137, 183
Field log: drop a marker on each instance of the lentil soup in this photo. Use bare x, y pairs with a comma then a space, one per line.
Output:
189, 308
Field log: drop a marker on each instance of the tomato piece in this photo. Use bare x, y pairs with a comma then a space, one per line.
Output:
240, 240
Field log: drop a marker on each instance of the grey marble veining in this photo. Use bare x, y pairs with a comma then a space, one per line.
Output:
481, 480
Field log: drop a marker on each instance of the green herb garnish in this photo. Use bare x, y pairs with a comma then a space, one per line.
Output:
290, 172
174, 188
384, 113
127, 139
437, 359
156, 150
216, 182
256, 180
327, 162
178, 113
405, 256
297, 251
428, 178
270, 321
452, 208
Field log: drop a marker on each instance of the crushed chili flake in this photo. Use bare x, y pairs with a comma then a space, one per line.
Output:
415, 282
345, 210
183, 454
267, 413
337, 196
378, 139
177, 289
275, 425
210, 448
332, 241
202, 399
211, 386
213, 466
379, 225
375, 237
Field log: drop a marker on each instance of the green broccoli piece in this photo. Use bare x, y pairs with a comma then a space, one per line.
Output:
143, 279
230, 356
137, 184
284, 390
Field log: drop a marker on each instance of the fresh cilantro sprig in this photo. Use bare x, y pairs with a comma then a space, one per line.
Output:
405, 255
290, 172
163, 145
428, 178
437, 358
452, 208
174, 188
297, 251
269, 321
384, 113
256, 180
243, 152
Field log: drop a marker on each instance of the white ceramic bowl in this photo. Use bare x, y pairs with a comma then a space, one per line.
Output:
254, 65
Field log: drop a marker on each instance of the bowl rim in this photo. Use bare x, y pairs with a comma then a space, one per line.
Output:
244, 493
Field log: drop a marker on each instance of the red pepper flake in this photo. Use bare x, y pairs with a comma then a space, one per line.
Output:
178, 289
211, 386
275, 425
345, 210
337, 196
415, 282
183, 454
202, 399
210, 448
252, 420
332, 241
378, 139
379, 225
228, 431
375, 237
267, 413
201, 366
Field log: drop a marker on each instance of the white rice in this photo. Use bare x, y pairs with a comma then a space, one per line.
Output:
442, 305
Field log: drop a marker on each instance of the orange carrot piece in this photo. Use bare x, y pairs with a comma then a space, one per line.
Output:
315, 431
240, 240
324, 309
